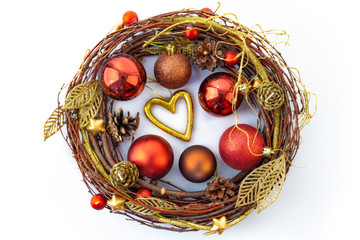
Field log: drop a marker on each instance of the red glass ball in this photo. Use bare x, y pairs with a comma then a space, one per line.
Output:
98, 201
231, 59
197, 163
130, 17
234, 149
143, 193
216, 94
191, 33
122, 77
152, 155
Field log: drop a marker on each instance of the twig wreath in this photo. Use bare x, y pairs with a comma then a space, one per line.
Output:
254, 71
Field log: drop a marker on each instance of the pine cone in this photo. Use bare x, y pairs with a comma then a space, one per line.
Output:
207, 56
220, 189
120, 127
124, 174
270, 96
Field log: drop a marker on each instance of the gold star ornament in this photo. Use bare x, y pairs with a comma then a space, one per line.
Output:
96, 126
116, 203
219, 225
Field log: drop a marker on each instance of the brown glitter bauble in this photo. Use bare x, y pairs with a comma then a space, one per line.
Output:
172, 71
122, 77
197, 163
152, 155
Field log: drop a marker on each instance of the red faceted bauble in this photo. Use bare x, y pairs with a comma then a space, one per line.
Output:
130, 17
98, 201
122, 77
152, 155
216, 94
143, 193
197, 164
234, 147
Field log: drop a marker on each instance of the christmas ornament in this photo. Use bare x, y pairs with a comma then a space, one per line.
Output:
241, 147
98, 201
122, 77
208, 55
143, 193
262, 76
270, 96
220, 189
116, 203
152, 155
231, 58
220, 225
191, 33
216, 94
120, 127
171, 106
124, 174
96, 126
130, 17
197, 163
172, 71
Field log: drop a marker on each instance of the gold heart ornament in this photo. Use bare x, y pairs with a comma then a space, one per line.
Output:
171, 106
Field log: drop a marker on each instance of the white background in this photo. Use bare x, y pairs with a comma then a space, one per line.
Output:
42, 45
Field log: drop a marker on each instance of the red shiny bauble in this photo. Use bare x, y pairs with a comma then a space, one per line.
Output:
234, 147
207, 10
130, 17
143, 193
122, 77
152, 155
231, 59
197, 163
216, 94
191, 33
98, 201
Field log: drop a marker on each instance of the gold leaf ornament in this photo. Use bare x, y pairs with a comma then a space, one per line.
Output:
56, 120
82, 95
263, 185
90, 111
151, 202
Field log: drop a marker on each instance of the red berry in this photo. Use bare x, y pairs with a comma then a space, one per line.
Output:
98, 201
143, 193
231, 59
207, 10
130, 17
191, 33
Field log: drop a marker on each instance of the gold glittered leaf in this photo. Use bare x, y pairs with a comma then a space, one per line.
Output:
56, 120
140, 209
263, 185
90, 111
81, 95
158, 203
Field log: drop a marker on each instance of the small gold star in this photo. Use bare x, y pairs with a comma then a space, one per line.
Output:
219, 225
96, 126
116, 203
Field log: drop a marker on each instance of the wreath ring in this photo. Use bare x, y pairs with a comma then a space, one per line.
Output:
271, 86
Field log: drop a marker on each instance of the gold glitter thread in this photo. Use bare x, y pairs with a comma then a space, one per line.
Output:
277, 115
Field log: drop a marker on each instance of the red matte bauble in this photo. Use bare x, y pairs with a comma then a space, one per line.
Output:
98, 201
143, 193
197, 163
231, 58
234, 150
216, 94
152, 155
191, 33
122, 77
130, 17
